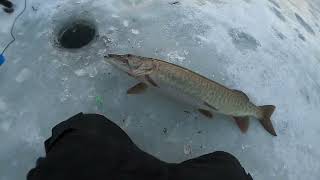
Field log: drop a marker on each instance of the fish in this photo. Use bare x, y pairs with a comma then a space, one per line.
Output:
208, 96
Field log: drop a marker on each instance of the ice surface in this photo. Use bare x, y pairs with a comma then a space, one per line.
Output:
268, 49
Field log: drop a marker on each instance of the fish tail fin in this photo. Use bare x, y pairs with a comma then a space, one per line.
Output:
265, 121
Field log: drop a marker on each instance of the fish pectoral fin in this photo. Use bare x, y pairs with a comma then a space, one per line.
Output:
243, 123
151, 81
208, 105
206, 113
143, 70
140, 72
138, 88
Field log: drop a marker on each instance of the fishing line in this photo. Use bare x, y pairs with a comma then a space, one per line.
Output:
11, 32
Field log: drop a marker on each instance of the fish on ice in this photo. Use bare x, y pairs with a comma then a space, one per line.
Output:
206, 95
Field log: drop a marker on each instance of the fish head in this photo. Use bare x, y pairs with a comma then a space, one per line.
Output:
126, 62
133, 65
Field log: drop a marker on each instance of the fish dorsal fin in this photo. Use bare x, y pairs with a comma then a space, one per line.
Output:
241, 93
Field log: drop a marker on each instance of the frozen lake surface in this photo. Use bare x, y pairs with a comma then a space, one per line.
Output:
268, 49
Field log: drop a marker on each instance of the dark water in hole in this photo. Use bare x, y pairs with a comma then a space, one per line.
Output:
76, 35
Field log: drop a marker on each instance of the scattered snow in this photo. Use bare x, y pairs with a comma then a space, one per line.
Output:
115, 16
80, 72
125, 23
177, 57
135, 31
23, 75
187, 149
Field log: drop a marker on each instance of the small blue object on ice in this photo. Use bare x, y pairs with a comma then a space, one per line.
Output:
2, 59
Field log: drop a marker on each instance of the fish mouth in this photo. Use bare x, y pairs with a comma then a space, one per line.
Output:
114, 55
120, 55
118, 58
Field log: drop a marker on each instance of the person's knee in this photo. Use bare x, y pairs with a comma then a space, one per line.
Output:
232, 164
97, 117
226, 156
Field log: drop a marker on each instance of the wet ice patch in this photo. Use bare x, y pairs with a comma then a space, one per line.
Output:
115, 16
3, 105
278, 14
200, 39
23, 75
305, 25
304, 92
65, 95
5, 126
80, 72
300, 35
201, 2
279, 34
274, 3
31, 135
174, 3
243, 41
125, 23
112, 29
90, 71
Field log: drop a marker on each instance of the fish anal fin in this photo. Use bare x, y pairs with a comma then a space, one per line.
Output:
241, 93
206, 113
138, 88
243, 123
